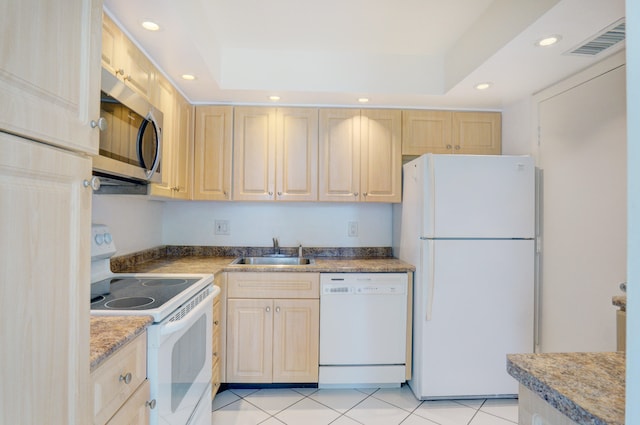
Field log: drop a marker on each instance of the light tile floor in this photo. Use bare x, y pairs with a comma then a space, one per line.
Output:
383, 406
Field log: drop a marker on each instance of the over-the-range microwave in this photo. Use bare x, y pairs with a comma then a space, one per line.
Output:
130, 136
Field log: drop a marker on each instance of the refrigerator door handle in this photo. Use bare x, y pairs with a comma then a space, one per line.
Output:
427, 265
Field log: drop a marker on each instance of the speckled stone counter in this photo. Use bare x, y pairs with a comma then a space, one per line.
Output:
217, 259
109, 333
588, 388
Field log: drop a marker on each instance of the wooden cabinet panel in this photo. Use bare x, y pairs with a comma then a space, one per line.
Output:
273, 327
50, 72
426, 131
216, 347
477, 132
176, 143
249, 340
45, 269
297, 154
275, 154
273, 285
339, 157
448, 132
296, 336
254, 153
213, 153
118, 378
360, 155
125, 61
136, 410
381, 156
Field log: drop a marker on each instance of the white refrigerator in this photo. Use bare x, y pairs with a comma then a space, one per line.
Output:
467, 223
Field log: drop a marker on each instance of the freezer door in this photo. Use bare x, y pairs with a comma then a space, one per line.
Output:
479, 196
482, 298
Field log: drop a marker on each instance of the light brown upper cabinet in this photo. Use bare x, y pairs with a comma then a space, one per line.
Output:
360, 155
275, 154
426, 131
176, 143
212, 157
50, 72
124, 60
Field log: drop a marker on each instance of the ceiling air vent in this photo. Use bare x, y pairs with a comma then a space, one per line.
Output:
593, 46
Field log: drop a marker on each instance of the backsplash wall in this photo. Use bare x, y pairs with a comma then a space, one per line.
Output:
255, 224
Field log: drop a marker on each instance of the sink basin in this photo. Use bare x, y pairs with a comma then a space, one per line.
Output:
274, 261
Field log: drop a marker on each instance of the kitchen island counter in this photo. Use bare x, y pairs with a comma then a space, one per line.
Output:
110, 333
587, 388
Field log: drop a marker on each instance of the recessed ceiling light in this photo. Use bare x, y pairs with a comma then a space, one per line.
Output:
548, 41
274, 98
363, 100
188, 77
150, 26
483, 86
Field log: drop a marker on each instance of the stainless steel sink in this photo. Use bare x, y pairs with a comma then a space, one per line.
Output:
274, 261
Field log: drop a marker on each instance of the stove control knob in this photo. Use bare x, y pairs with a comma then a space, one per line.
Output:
107, 238
99, 238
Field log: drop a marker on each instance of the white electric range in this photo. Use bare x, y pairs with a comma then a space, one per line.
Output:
179, 341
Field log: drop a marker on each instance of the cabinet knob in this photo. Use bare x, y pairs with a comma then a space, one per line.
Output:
270, 193
355, 194
268, 309
125, 378
364, 194
151, 404
279, 193
449, 146
101, 124
457, 147
94, 183
120, 71
277, 309
215, 323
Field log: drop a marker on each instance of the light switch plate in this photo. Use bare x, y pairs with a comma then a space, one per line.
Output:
222, 227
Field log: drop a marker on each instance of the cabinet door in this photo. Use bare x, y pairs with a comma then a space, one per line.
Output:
183, 149
426, 131
477, 133
111, 47
381, 156
45, 274
50, 71
297, 154
296, 334
254, 153
339, 157
139, 72
136, 410
166, 103
212, 157
249, 340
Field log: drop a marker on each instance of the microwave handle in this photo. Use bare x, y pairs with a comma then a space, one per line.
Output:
156, 160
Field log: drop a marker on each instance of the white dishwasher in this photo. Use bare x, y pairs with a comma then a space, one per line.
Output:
363, 329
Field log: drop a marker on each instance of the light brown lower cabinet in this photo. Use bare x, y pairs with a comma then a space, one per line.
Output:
120, 386
215, 352
273, 327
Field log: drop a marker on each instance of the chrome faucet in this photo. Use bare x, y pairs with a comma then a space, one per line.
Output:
300, 251
276, 246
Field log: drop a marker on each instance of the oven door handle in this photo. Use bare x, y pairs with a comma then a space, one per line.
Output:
190, 318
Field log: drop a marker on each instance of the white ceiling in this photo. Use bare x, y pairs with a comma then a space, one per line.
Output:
398, 53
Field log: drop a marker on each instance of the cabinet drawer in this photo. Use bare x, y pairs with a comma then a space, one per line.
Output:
135, 411
109, 381
273, 285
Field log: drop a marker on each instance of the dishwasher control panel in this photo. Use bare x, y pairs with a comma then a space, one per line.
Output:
363, 284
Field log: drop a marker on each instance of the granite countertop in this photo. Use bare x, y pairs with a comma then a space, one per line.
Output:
193, 261
589, 388
620, 301
109, 333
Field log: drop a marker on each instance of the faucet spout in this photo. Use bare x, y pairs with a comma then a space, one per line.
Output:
276, 246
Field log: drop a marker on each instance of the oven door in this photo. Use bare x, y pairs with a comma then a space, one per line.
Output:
179, 364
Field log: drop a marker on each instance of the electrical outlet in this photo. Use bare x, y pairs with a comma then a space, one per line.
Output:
352, 229
222, 227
